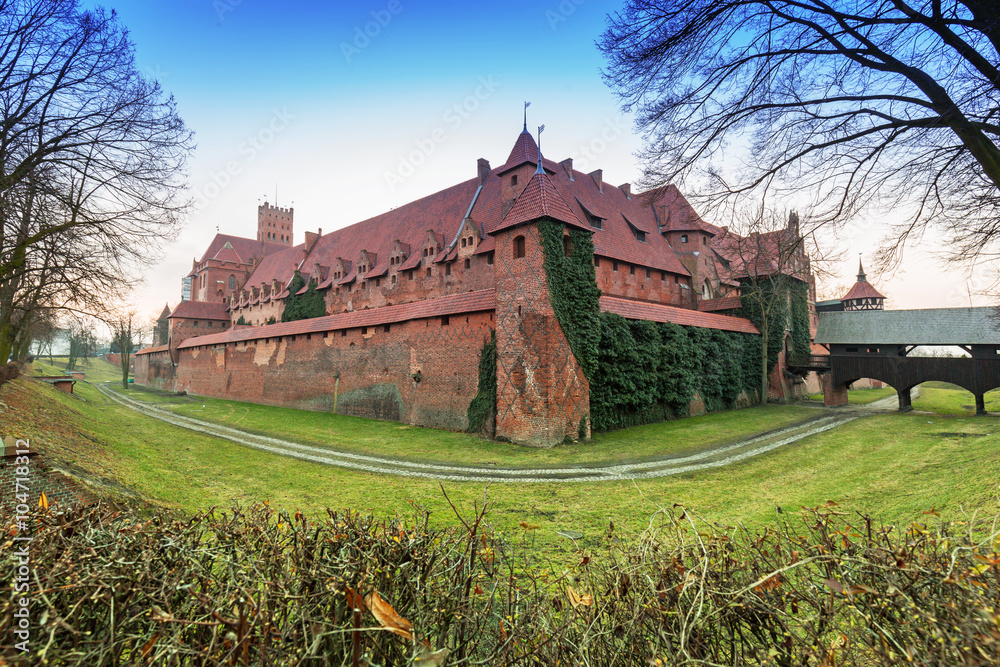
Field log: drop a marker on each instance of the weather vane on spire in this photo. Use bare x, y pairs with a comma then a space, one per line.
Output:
540, 169
526, 105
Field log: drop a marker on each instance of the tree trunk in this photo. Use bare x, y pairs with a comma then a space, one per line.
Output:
763, 357
124, 360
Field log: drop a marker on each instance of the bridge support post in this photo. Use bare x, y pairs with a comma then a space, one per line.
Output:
904, 400
832, 396
980, 404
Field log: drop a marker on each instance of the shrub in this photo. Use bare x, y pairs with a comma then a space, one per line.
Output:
259, 587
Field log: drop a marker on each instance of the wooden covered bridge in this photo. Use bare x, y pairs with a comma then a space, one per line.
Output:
877, 344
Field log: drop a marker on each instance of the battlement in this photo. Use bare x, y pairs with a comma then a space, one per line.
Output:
275, 224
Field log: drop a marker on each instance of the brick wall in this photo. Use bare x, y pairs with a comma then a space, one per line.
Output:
365, 372
58, 488
542, 393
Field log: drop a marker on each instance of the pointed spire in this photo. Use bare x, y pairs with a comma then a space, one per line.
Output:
526, 105
861, 271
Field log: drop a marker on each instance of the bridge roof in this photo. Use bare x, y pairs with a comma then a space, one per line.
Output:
930, 326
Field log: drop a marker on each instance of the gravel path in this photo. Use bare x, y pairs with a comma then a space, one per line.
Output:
714, 457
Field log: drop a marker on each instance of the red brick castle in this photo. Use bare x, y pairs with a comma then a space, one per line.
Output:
411, 295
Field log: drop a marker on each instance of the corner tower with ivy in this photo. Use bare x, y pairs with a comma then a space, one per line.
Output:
546, 318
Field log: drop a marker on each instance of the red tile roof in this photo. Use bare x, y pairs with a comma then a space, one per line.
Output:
723, 303
654, 312
245, 248
200, 310
862, 290
228, 254
539, 199
465, 302
677, 214
151, 350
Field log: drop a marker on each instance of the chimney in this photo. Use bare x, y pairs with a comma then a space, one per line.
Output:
483, 167
567, 166
598, 176
627, 189
310, 240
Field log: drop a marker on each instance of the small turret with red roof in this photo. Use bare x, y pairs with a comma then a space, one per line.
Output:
863, 295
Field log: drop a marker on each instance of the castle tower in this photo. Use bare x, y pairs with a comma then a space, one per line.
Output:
274, 224
543, 395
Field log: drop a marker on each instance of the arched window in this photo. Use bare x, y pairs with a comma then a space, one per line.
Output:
232, 282
567, 246
518, 246
706, 290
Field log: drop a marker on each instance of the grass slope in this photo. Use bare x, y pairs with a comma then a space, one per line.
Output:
892, 466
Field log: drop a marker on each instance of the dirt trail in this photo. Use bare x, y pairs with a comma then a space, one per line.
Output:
714, 457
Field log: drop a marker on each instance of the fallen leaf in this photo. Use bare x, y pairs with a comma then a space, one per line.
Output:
577, 599
387, 616
148, 646
834, 584
427, 659
43, 502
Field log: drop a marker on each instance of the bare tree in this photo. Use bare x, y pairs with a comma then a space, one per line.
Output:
92, 158
856, 103
126, 335
771, 262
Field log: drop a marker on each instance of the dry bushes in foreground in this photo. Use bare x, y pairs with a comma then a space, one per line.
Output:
256, 586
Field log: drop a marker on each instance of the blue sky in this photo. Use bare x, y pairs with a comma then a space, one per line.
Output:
350, 109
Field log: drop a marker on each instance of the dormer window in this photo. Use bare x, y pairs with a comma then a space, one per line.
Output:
684, 238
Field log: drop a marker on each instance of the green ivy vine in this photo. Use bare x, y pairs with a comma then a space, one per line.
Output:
483, 407
649, 372
573, 291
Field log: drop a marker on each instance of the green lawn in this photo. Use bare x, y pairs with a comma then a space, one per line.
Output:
949, 399
386, 438
94, 369
861, 396
892, 466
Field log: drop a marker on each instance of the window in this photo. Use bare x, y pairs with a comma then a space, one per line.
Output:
409, 275
385, 328
614, 266
447, 269
445, 320
597, 261
513, 180
232, 282
428, 272
195, 323
631, 269
392, 280
468, 263
567, 246
649, 273
704, 240
489, 258
640, 236
378, 282
210, 325
343, 333
463, 242
518, 247
684, 238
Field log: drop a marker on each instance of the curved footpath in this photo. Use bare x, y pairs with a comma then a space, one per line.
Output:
714, 457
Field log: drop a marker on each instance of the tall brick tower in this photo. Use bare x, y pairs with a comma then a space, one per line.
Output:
542, 392
274, 224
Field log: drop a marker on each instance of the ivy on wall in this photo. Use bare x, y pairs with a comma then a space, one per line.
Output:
799, 319
302, 306
483, 407
573, 290
649, 372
